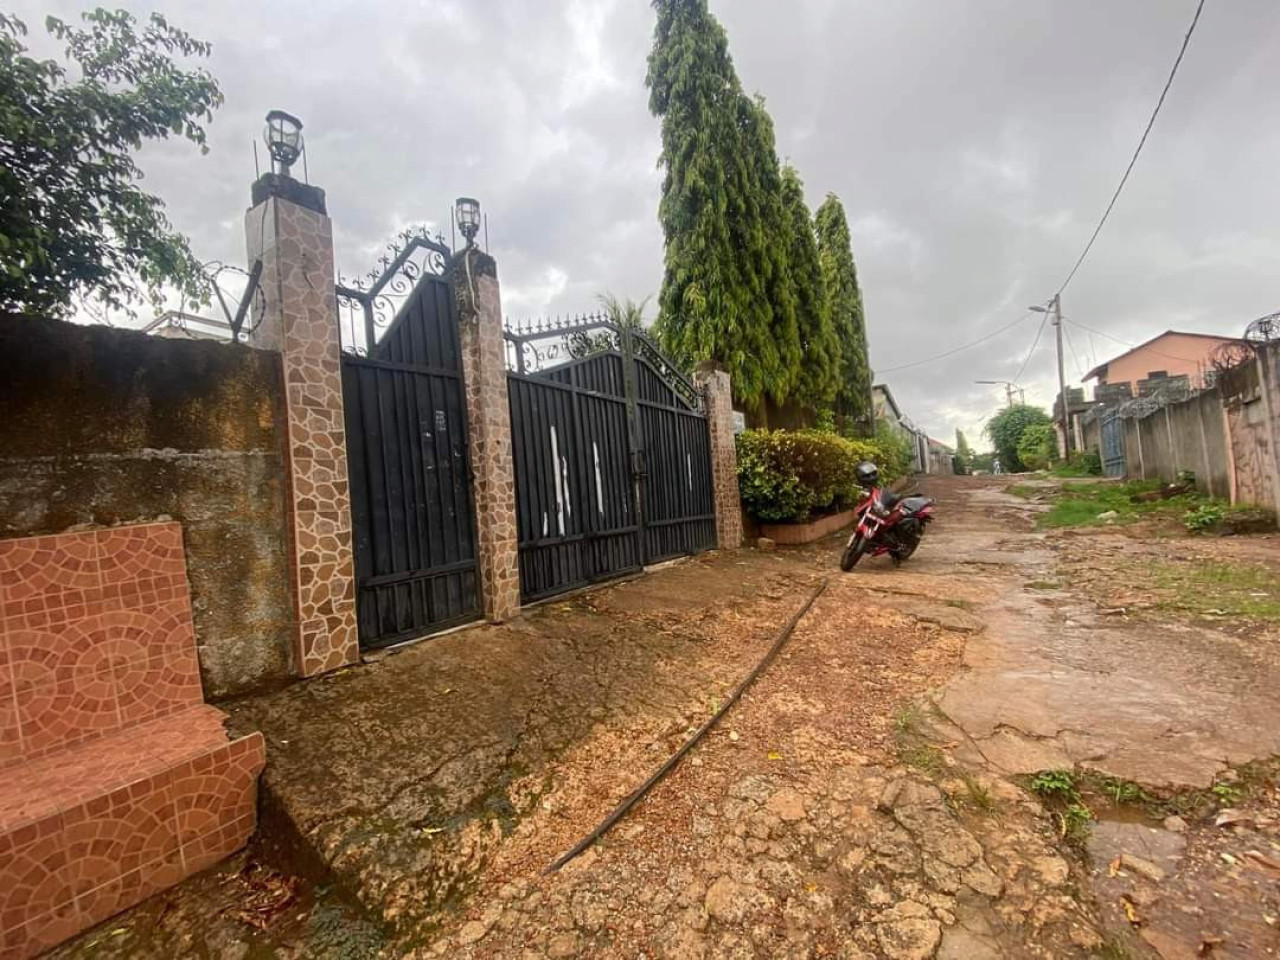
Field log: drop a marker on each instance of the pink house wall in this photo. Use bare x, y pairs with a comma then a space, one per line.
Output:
1175, 353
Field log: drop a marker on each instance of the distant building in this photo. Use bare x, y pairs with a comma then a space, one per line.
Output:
1169, 356
174, 324
940, 458
887, 411
927, 454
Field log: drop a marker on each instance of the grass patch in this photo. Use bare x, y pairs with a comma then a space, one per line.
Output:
922, 756
1218, 589
1060, 793
1080, 504
914, 750
907, 719
1113, 948
1024, 491
977, 796
1043, 585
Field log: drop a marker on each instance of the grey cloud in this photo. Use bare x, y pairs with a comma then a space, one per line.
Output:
974, 145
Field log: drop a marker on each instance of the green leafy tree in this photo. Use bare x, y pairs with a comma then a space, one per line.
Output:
835, 251
895, 450
1037, 445
762, 232
964, 453
982, 461
722, 271
74, 224
820, 349
1005, 430
625, 313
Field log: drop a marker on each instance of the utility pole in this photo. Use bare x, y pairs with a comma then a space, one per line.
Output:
1055, 309
1062, 381
1008, 389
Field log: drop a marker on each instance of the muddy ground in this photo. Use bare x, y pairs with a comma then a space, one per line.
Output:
870, 796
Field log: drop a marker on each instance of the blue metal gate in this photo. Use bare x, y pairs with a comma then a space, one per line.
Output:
1112, 444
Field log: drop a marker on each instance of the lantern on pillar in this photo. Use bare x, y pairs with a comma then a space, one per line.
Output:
467, 215
284, 139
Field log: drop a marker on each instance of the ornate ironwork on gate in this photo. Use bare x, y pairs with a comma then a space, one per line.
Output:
411, 499
612, 454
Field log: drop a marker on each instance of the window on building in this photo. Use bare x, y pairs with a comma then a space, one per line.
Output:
1157, 374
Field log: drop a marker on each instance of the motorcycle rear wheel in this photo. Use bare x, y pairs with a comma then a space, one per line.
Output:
906, 550
852, 554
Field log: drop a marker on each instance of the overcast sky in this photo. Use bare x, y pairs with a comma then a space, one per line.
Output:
974, 144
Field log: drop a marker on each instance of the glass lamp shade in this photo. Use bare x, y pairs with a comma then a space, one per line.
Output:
284, 137
467, 214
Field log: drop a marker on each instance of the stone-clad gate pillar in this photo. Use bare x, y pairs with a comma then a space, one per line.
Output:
287, 228
718, 401
484, 369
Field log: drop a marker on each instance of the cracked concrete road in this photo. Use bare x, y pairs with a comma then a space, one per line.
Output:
858, 802
1052, 682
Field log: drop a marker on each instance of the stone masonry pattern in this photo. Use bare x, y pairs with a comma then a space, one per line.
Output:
718, 398
300, 320
489, 428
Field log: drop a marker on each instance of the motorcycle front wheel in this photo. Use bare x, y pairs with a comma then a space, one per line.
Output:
853, 553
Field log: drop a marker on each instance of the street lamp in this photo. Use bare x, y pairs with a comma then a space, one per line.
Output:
467, 214
1009, 387
284, 139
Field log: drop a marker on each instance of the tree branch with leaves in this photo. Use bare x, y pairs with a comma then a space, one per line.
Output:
74, 224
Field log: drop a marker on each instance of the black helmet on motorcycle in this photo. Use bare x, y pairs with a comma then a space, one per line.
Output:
867, 475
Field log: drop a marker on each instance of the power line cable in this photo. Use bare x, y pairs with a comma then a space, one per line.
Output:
953, 352
1127, 343
1134, 159
1080, 369
1034, 343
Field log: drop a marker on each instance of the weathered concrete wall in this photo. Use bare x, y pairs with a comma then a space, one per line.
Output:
1178, 437
103, 426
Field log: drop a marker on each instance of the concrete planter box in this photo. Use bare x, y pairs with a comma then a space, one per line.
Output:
793, 534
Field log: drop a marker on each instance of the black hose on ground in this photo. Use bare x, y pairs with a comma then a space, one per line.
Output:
621, 809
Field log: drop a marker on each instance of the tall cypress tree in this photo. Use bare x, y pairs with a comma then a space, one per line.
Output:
820, 348
763, 233
853, 398
715, 299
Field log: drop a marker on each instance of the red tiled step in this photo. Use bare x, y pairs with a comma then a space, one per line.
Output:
99, 827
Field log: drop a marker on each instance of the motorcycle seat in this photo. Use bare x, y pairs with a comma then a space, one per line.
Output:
912, 505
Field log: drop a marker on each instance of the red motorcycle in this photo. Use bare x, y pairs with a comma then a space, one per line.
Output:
886, 522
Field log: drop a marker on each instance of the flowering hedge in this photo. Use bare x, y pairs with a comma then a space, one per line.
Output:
791, 475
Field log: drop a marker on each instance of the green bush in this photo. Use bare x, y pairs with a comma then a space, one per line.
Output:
1037, 445
1086, 464
1005, 430
790, 475
894, 451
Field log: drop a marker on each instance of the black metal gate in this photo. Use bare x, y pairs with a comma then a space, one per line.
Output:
410, 478
612, 456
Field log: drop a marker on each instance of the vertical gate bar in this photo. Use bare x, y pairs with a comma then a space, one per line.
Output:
538, 479
357, 480
543, 434
635, 443
383, 535
526, 481
404, 441
370, 332
441, 532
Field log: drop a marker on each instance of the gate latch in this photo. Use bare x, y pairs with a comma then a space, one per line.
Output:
638, 469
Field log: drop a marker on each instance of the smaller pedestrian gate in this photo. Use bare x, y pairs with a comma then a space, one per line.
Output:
413, 521
612, 455
1112, 430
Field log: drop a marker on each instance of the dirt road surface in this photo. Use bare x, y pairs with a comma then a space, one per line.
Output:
870, 795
